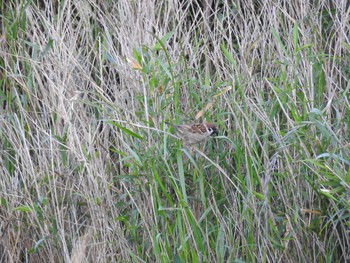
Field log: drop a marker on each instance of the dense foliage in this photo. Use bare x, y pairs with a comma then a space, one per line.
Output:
89, 171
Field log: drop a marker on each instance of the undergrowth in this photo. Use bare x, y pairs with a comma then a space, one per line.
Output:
91, 172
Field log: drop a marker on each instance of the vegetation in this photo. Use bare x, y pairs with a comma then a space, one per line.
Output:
90, 172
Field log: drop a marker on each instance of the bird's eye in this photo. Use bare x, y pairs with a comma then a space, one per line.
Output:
210, 130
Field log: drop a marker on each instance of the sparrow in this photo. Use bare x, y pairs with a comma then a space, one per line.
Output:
193, 133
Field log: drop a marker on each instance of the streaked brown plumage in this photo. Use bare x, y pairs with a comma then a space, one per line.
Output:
193, 133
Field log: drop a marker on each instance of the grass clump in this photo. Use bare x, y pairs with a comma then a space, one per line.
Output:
91, 172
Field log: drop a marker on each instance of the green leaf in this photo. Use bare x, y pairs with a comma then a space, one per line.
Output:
125, 130
279, 41
47, 47
180, 165
160, 43
23, 208
295, 35
228, 55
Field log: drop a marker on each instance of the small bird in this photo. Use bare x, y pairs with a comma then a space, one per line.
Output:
193, 133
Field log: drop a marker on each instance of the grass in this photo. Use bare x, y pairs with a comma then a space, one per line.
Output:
91, 172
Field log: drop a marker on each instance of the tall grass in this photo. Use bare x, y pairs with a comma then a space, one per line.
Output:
89, 171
